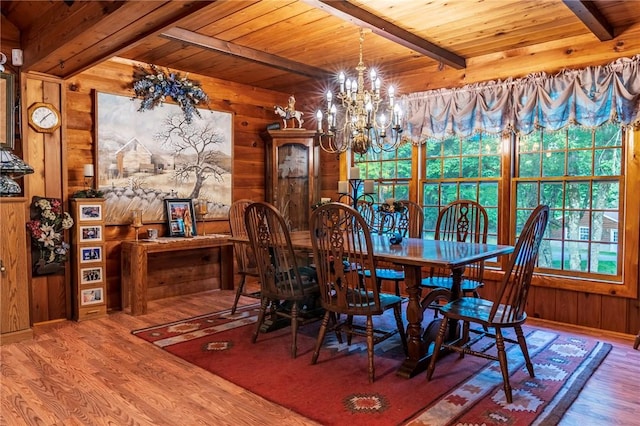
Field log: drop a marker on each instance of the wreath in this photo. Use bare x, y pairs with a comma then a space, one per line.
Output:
153, 85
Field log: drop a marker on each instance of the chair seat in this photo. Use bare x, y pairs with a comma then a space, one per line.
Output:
386, 274
477, 310
467, 285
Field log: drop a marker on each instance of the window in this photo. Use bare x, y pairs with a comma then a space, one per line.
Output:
391, 172
583, 232
462, 169
578, 172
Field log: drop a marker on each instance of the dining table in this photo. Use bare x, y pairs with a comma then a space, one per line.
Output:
414, 254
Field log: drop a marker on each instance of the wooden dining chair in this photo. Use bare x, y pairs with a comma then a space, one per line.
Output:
409, 223
245, 260
288, 289
340, 236
461, 221
506, 311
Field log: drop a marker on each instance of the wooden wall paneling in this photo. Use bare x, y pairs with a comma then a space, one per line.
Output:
50, 298
614, 314
566, 306
252, 110
634, 316
544, 304
589, 310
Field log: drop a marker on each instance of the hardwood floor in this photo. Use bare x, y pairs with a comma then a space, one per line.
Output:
96, 372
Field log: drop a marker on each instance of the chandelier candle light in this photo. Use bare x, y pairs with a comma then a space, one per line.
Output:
365, 117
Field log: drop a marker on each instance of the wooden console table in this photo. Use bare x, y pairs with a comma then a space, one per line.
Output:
134, 263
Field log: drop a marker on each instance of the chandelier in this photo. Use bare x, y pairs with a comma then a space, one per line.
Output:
365, 121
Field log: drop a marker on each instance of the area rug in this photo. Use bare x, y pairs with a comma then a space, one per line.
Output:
336, 390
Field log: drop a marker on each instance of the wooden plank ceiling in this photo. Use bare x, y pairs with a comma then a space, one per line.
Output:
285, 44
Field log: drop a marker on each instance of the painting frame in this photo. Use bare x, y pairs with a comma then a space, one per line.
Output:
180, 212
91, 275
91, 233
91, 254
139, 164
91, 296
7, 111
90, 212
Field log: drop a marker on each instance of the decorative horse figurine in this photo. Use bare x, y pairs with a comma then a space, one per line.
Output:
287, 115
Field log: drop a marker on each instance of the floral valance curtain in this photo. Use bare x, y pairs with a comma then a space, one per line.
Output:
588, 97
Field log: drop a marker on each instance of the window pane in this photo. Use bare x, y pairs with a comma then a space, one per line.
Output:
470, 167
451, 146
434, 169
527, 194
471, 145
579, 163
488, 195
607, 162
577, 195
430, 194
491, 166
452, 167
551, 194
529, 165
579, 137
469, 191
553, 164
449, 193
606, 195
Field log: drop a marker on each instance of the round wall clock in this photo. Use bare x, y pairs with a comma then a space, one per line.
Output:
44, 117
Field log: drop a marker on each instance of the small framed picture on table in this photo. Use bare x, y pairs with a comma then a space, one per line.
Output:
181, 217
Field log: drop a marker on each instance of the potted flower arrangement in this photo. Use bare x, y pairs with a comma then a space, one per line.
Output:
47, 225
154, 85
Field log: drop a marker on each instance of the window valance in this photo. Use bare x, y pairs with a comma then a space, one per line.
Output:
588, 97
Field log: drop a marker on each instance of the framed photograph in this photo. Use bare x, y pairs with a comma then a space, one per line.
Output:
90, 233
90, 212
91, 275
91, 296
7, 111
90, 254
181, 217
144, 157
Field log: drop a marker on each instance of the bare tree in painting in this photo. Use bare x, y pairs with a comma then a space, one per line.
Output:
195, 148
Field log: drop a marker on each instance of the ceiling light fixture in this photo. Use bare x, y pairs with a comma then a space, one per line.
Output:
366, 121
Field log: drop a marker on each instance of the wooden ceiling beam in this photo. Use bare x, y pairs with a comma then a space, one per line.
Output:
592, 18
210, 43
362, 18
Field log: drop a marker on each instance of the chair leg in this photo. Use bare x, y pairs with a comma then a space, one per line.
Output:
465, 336
321, 334
294, 329
372, 368
239, 291
436, 348
397, 312
350, 327
263, 309
525, 351
504, 368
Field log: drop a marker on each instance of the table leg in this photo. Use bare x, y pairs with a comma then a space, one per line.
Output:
456, 285
138, 280
637, 342
416, 360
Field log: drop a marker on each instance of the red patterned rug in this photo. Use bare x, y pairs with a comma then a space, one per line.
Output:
336, 390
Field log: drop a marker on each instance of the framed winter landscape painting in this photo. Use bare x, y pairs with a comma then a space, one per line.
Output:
145, 157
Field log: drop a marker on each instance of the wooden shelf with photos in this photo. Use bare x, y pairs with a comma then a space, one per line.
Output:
88, 259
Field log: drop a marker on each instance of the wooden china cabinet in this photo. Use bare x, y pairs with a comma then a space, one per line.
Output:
292, 166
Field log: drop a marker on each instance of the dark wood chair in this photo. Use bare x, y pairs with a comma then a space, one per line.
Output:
290, 290
462, 221
507, 311
409, 223
340, 236
245, 261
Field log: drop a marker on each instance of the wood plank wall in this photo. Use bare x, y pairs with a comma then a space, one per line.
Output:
252, 110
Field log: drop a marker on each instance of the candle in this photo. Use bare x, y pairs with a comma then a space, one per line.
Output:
88, 170
343, 187
137, 217
319, 119
355, 173
368, 187
203, 207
